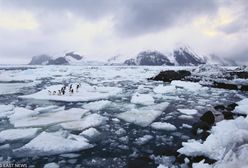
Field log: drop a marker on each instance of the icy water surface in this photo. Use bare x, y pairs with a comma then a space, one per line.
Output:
132, 121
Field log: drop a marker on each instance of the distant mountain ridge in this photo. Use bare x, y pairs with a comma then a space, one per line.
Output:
181, 56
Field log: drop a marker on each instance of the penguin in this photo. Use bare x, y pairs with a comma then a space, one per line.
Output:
54, 92
77, 87
70, 86
63, 92
49, 92
59, 92
72, 91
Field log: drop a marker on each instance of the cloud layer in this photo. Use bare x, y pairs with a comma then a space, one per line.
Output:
101, 29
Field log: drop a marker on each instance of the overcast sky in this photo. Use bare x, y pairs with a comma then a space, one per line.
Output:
100, 29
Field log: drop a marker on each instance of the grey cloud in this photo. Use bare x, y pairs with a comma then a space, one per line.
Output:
139, 17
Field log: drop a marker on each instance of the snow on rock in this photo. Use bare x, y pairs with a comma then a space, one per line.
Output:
143, 116
18, 134
144, 99
225, 136
47, 119
163, 126
242, 107
90, 133
53, 143
97, 105
188, 111
92, 120
51, 165
190, 86
84, 93
143, 140
160, 89
208, 70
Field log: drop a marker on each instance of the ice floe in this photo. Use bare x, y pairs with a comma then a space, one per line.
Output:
144, 99
92, 120
6, 110
226, 136
84, 93
190, 86
160, 89
242, 107
51, 165
143, 116
97, 105
163, 126
90, 133
53, 143
188, 111
18, 134
46, 119
143, 140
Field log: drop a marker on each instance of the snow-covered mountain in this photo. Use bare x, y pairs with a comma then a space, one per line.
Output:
40, 60
185, 56
116, 60
70, 58
213, 59
149, 58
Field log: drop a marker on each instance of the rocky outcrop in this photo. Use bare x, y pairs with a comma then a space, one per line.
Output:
58, 61
40, 60
149, 58
184, 56
168, 76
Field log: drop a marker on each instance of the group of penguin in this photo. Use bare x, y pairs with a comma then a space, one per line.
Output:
62, 91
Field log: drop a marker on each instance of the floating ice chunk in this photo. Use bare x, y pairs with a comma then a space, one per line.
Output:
84, 93
51, 165
188, 111
90, 133
5, 108
145, 99
160, 89
242, 107
225, 135
18, 134
201, 164
21, 113
52, 144
185, 117
143, 140
162, 166
143, 116
191, 86
92, 120
97, 105
49, 109
163, 126
47, 119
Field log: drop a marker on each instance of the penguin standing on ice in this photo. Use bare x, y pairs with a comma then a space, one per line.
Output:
49, 92
54, 92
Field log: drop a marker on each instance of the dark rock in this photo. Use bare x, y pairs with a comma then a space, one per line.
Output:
208, 117
197, 159
231, 106
168, 76
225, 86
219, 107
228, 115
58, 61
73, 55
238, 74
200, 125
130, 62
